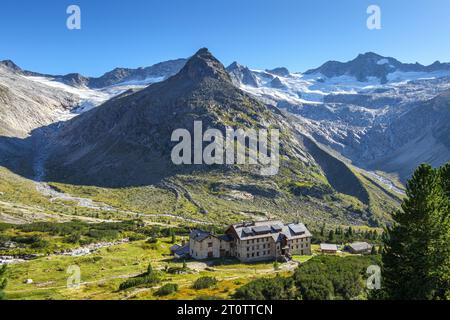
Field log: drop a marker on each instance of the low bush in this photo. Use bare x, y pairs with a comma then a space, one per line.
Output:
278, 288
204, 283
151, 280
167, 289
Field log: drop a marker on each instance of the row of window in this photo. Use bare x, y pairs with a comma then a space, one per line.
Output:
264, 246
297, 246
258, 254
252, 241
298, 240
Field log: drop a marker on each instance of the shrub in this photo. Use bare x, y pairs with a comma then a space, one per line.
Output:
141, 280
204, 283
278, 288
73, 238
152, 240
167, 289
176, 270
330, 277
135, 236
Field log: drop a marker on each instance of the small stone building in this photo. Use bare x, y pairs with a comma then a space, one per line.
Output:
328, 248
360, 248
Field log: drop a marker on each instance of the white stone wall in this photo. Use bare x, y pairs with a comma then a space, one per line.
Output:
300, 246
254, 250
208, 248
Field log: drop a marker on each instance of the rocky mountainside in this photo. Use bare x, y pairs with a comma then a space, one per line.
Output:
280, 71
241, 75
26, 105
139, 126
126, 143
419, 135
359, 108
380, 114
154, 73
162, 70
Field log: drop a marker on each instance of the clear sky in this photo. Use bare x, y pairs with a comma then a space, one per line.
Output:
298, 34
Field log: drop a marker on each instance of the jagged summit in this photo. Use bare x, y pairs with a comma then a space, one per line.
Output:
10, 65
204, 65
371, 64
241, 74
370, 55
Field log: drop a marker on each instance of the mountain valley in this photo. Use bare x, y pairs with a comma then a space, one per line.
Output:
349, 138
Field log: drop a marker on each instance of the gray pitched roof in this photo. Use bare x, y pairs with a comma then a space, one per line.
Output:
199, 235
182, 251
328, 247
360, 246
275, 229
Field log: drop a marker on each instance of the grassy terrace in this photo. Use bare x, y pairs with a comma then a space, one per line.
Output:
104, 271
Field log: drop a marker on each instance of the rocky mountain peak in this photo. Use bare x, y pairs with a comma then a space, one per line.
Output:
10, 65
235, 65
369, 56
280, 71
241, 74
277, 84
204, 65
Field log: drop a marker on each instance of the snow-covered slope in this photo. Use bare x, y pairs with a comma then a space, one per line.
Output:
26, 104
355, 107
88, 98
313, 88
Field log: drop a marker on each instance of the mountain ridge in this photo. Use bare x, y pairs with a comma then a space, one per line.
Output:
371, 64
116, 76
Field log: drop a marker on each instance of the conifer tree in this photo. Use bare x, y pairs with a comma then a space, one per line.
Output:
440, 246
415, 255
331, 235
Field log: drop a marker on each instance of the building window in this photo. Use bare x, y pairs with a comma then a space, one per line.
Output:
210, 245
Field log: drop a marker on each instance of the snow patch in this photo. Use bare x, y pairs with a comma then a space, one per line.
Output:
382, 62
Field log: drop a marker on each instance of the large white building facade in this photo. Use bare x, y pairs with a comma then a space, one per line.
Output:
252, 242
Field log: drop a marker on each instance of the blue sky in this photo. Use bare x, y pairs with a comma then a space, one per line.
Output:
298, 34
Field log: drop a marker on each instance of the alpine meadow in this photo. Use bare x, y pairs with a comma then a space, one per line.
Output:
237, 151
